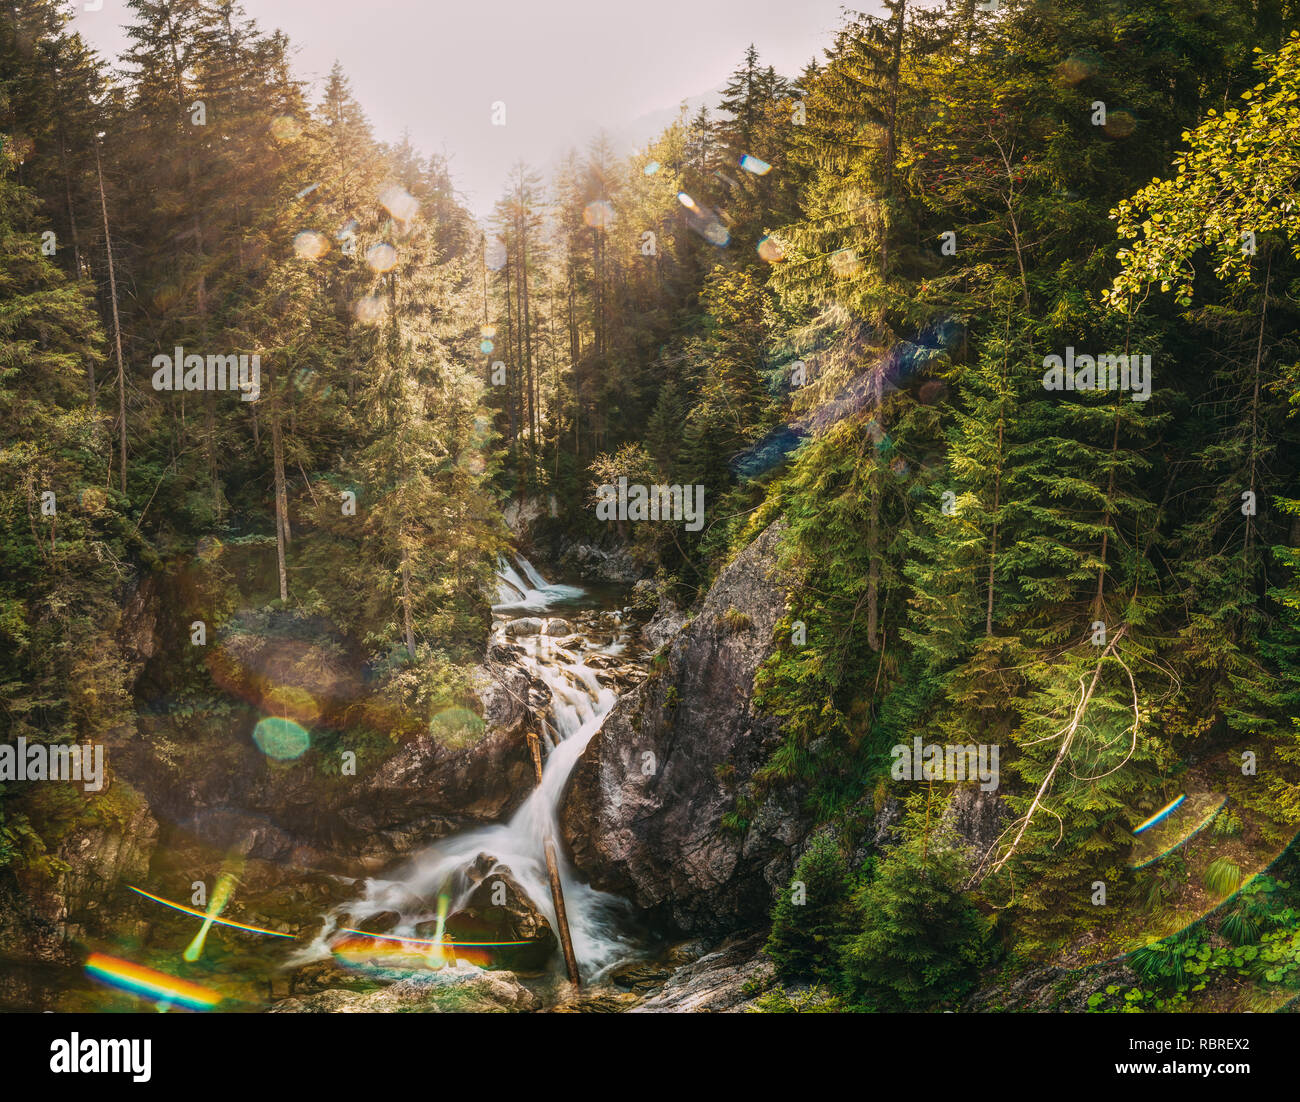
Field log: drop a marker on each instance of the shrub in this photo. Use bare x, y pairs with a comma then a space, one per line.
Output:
922, 941
805, 936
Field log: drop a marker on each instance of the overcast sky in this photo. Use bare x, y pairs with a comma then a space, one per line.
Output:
564, 68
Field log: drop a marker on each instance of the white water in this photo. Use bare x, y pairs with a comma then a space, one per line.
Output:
579, 704
536, 595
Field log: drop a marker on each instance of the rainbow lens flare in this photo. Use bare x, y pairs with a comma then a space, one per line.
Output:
135, 979
1175, 824
205, 916
1160, 815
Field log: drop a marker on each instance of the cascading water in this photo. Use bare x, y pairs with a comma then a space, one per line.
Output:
578, 706
536, 595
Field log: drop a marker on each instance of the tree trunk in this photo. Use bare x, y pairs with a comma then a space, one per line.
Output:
117, 324
406, 603
281, 504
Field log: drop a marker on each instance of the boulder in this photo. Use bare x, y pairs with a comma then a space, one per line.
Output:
525, 625
379, 923
667, 623
657, 837
499, 910
456, 992
728, 980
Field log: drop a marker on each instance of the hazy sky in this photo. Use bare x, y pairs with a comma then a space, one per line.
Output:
564, 68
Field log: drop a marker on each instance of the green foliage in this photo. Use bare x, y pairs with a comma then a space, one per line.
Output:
810, 917
1223, 877
814, 1000
921, 942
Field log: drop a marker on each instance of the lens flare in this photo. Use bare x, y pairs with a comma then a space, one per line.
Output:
310, 245
93, 499
204, 915
715, 233
771, 250
598, 214
1159, 815
306, 191
371, 309
281, 739
1075, 69
220, 897
651, 168
135, 979
400, 203
1119, 124
208, 549
687, 201
381, 257
285, 128
755, 165
845, 263
1175, 824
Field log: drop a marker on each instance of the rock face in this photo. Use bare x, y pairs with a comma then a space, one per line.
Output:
977, 819
427, 787
650, 828
616, 566
725, 981
667, 622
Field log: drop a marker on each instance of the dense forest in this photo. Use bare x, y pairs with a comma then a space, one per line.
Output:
991, 310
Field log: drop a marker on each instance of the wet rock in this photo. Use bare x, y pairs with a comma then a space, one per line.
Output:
1050, 988
685, 952
641, 978
727, 980
556, 626
321, 975
525, 625
480, 867
379, 923
466, 993
599, 1002
499, 910
657, 837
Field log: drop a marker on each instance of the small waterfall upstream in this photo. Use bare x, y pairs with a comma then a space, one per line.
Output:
578, 706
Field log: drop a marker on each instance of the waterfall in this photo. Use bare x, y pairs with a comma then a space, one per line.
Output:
578, 706
520, 597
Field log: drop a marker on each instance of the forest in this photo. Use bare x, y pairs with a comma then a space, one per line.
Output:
967, 647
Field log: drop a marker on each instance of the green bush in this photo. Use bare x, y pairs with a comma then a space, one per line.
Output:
806, 935
922, 942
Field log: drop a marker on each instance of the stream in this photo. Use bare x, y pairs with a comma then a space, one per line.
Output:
438, 881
